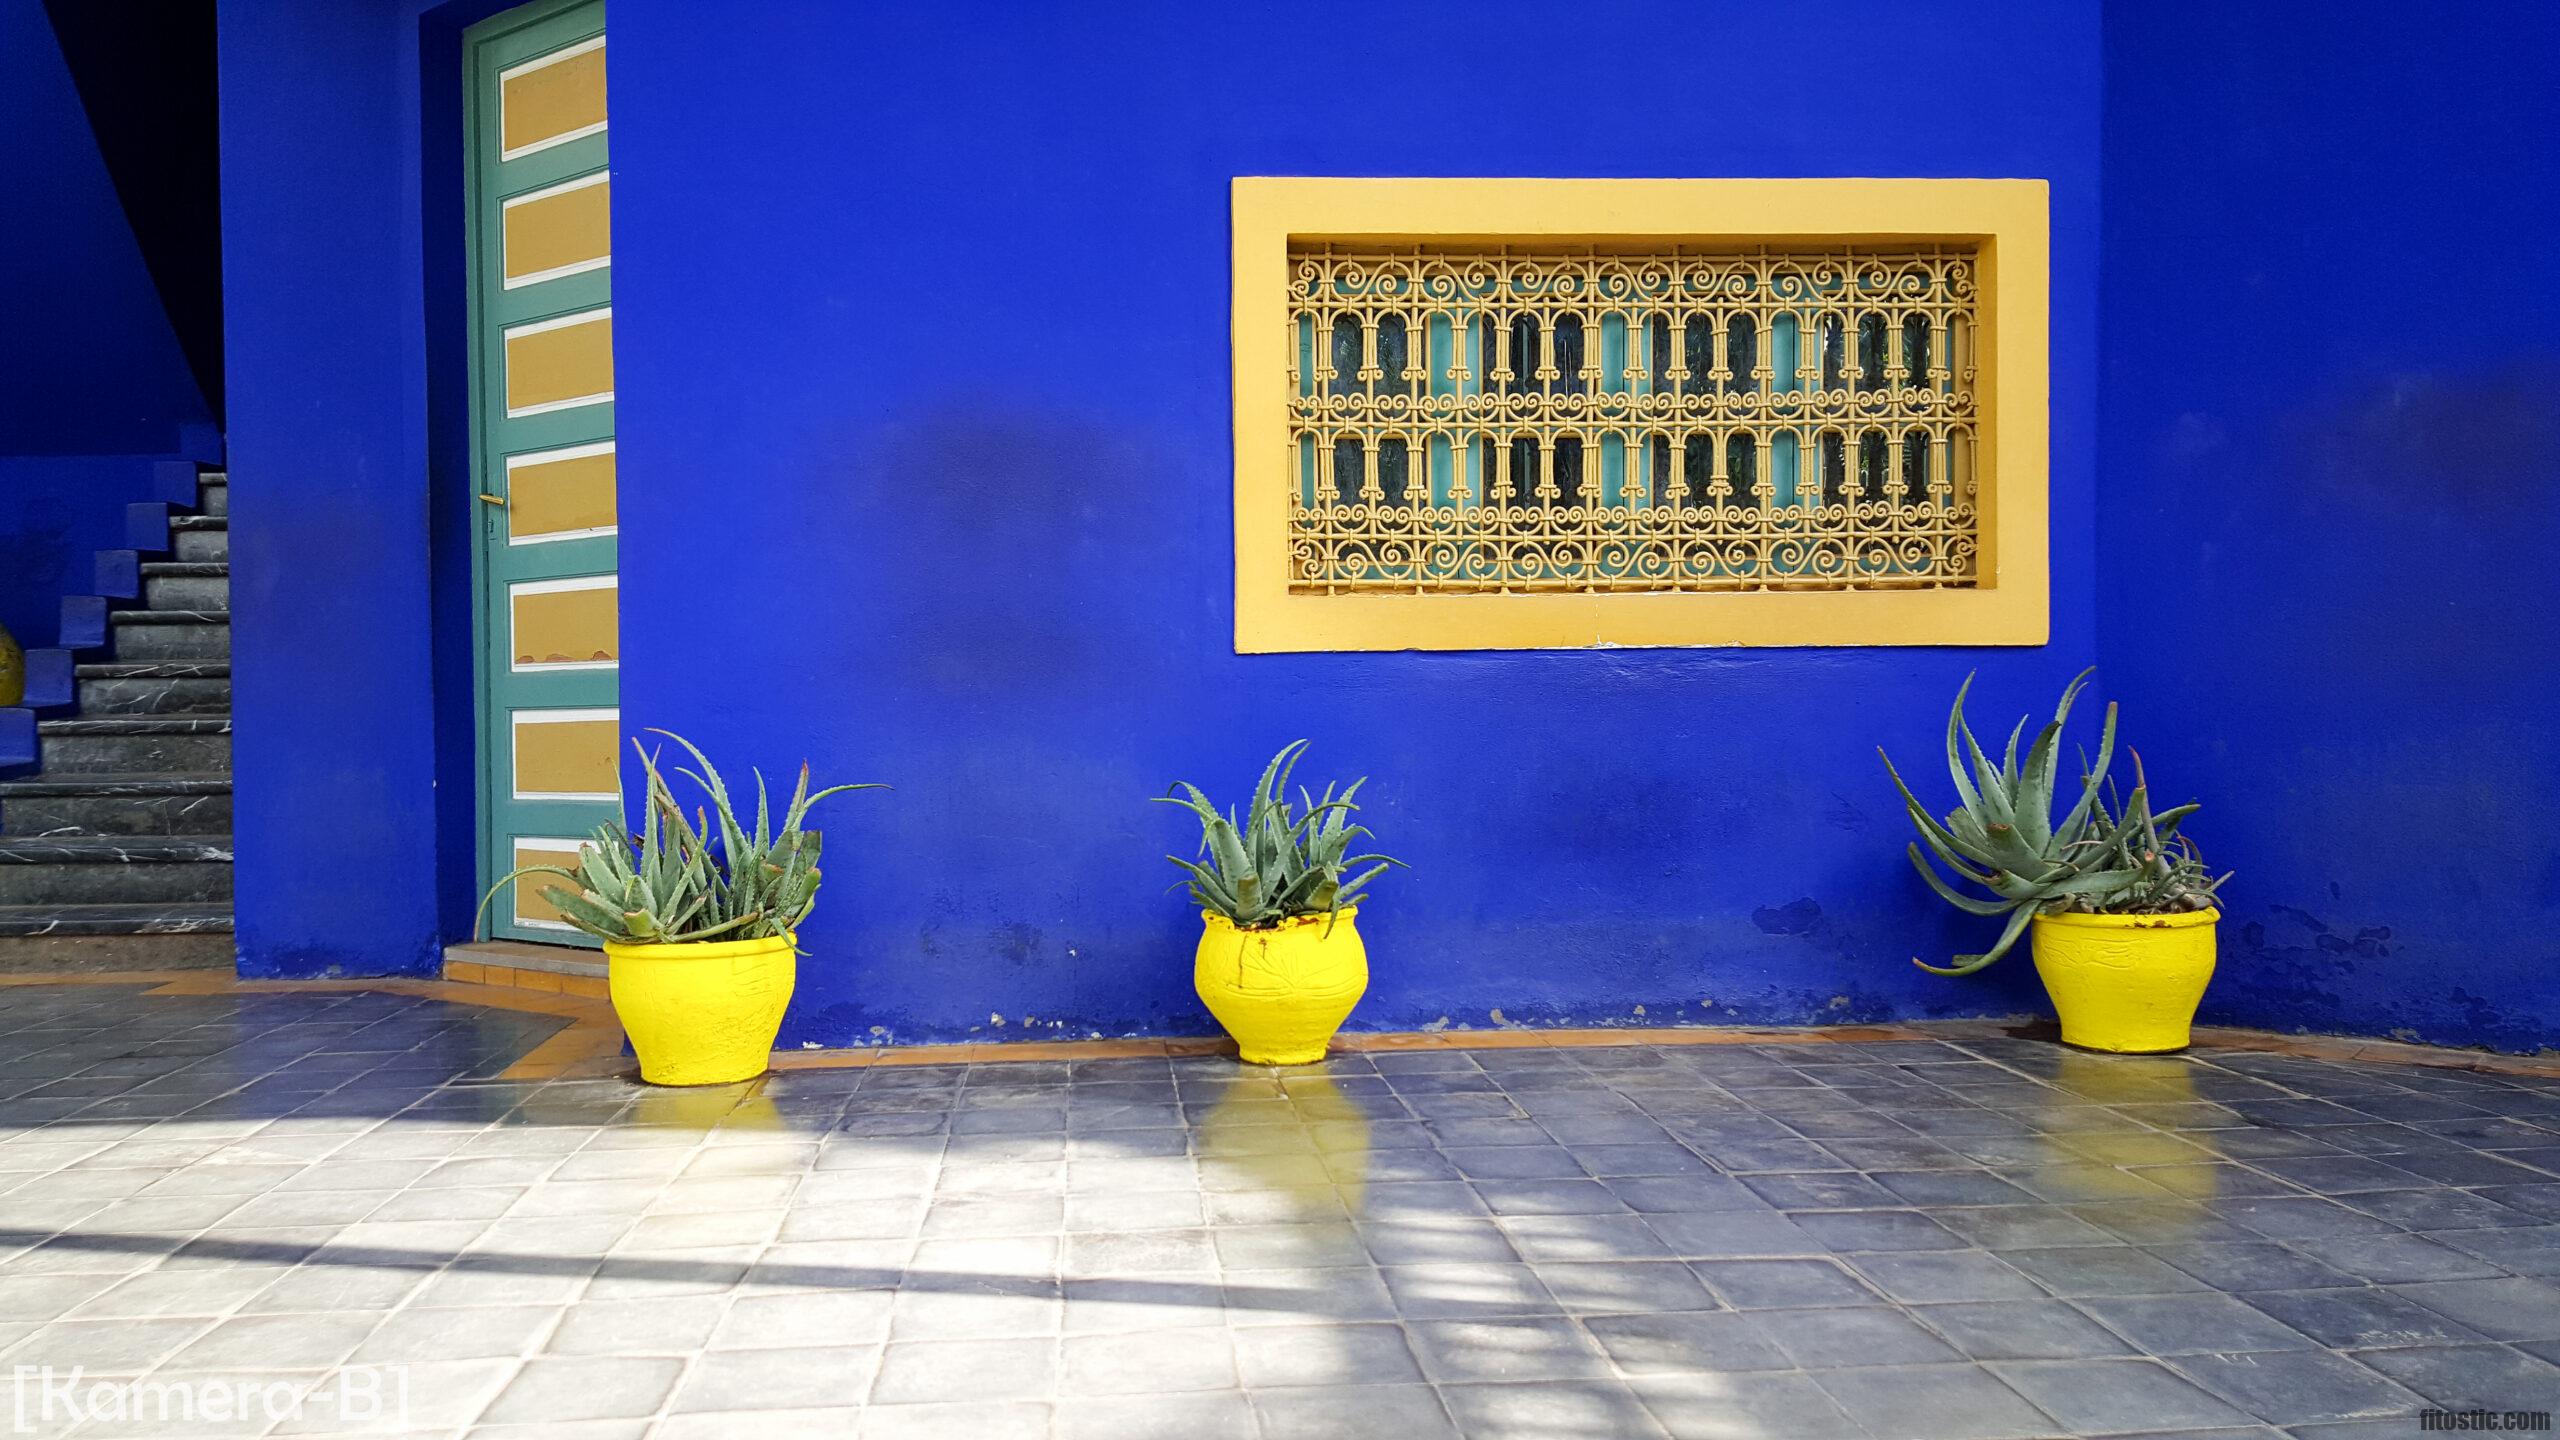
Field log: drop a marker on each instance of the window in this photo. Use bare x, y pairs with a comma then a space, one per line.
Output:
1744, 412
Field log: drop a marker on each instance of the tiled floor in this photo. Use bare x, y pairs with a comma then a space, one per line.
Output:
1921, 1239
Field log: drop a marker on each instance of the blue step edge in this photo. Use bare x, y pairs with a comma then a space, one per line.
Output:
175, 482
119, 574
50, 683
146, 525
84, 622
17, 738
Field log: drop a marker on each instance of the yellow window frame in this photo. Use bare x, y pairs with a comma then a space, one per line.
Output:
2005, 221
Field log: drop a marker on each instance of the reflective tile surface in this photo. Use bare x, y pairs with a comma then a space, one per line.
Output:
1921, 1239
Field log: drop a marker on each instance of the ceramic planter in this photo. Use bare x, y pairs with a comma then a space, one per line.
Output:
2126, 983
703, 1013
1282, 991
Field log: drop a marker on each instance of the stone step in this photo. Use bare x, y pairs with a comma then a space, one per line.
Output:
156, 670
187, 591
114, 870
213, 493
518, 956
152, 695
204, 546
135, 744
168, 804
170, 634
69, 920
81, 952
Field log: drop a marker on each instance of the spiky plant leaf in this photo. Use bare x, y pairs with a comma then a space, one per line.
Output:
2100, 856
1279, 861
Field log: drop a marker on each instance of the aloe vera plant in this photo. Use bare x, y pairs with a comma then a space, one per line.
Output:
680, 881
1280, 861
2104, 855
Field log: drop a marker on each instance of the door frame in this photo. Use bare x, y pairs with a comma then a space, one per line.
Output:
492, 308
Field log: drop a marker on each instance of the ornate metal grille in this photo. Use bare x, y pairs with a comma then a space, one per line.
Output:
1668, 420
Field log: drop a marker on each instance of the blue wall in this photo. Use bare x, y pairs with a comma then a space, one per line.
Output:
923, 357
2331, 487
88, 364
923, 344
336, 818
92, 383
56, 513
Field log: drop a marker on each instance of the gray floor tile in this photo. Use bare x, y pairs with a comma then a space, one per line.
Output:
1541, 1412
2466, 1377
1780, 1284
815, 1377
1437, 1292
1292, 1297
994, 1310
1206, 1416
1732, 1407
2506, 1309
2290, 1218
2085, 1271
105, 1347
2022, 1330
831, 1317
1146, 1362
1548, 1197
1930, 1277
2532, 1252
554, 1390
1288, 1247
1139, 1252
1590, 1287
2355, 1319
1931, 1189
1552, 1348
1711, 1235
1329, 1356
1876, 1230
2397, 1259
1679, 1344
670, 1325
2023, 1227
1430, 1242
1823, 1339
2296, 1387
1820, 1190
2097, 1397
2257, 1265
1361, 1412
1684, 1194
281, 1342
1934, 1402
960, 1420
1544, 1238
948, 1370
2194, 1324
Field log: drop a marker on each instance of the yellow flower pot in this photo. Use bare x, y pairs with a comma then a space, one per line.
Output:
2126, 983
1282, 991
704, 1013
13, 669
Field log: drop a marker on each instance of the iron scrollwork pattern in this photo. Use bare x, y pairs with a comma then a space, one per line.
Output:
1609, 422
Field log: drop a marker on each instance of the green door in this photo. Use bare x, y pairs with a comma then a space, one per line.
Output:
544, 550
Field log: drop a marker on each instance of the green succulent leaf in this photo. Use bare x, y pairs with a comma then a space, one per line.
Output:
682, 880
2101, 856
1280, 860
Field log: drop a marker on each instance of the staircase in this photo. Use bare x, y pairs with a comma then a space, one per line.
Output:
115, 777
